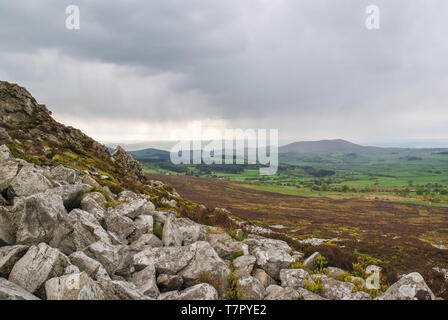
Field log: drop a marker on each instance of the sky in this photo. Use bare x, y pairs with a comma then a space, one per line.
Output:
140, 70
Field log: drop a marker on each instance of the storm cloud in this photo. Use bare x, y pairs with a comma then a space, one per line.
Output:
137, 69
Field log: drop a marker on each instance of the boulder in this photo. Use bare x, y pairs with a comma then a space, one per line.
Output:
147, 240
162, 216
145, 281
43, 218
116, 259
206, 262
7, 228
335, 289
294, 278
169, 282
11, 291
410, 287
308, 295
65, 175
143, 225
39, 264
202, 291
71, 269
8, 171
119, 224
4, 137
95, 204
30, 180
250, 288
190, 231
77, 286
244, 265
86, 230
334, 272
127, 196
264, 278
224, 245
272, 260
254, 241
310, 262
121, 290
133, 209
168, 260
71, 195
127, 165
9, 255
93, 268
275, 292
171, 235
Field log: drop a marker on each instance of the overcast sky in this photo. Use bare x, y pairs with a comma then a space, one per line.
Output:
136, 70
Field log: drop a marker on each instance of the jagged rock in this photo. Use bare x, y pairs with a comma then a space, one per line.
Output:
11, 291
87, 179
310, 262
71, 269
133, 209
334, 272
244, 265
7, 228
250, 288
93, 268
30, 180
43, 218
335, 289
95, 203
121, 290
275, 292
128, 196
272, 260
255, 241
65, 175
168, 282
126, 164
77, 286
169, 260
360, 295
4, 137
145, 281
308, 295
224, 245
5, 154
119, 224
39, 264
116, 259
206, 262
202, 291
143, 225
190, 231
263, 277
171, 235
294, 278
71, 195
9, 255
162, 216
410, 287
86, 230
147, 240
8, 171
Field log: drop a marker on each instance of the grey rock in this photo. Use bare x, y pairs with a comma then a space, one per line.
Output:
30, 180
294, 278
121, 290
169, 282
132, 209
244, 265
119, 224
116, 259
264, 278
308, 295
71, 269
335, 289
272, 260
251, 288
65, 175
95, 204
334, 272
202, 291
410, 287
39, 264
8, 171
4, 137
11, 291
93, 268
143, 225
310, 262
168, 260
171, 235
7, 228
9, 255
275, 292
71, 195
145, 281
147, 240
77, 286
224, 245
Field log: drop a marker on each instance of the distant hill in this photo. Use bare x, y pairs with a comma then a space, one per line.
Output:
150, 154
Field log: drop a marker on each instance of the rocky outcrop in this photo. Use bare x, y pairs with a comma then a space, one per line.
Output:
126, 164
410, 287
77, 286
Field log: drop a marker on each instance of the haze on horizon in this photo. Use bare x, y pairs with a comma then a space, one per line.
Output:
137, 70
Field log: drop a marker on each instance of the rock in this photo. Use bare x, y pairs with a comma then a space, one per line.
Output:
11, 291
71, 269
127, 165
171, 235
275, 292
168, 282
310, 262
254, 242
121, 290
410, 287
71, 195
133, 209
264, 278
169, 260
7, 228
250, 288
9, 255
30, 180
65, 175
128, 196
8, 171
360, 295
335, 289
145, 281
87, 179
39, 264
119, 224
308, 295
116, 259
272, 260
206, 262
162, 216
202, 291
4, 137
43, 218
77, 286
143, 225
223, 244
3, 201
243, 265
94, 203
334, 272
294, 278
147, 240
86, 230
93, 268
190, 231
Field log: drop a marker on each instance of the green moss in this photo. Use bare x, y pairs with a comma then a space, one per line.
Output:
315, 286
158, 230
237, 254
